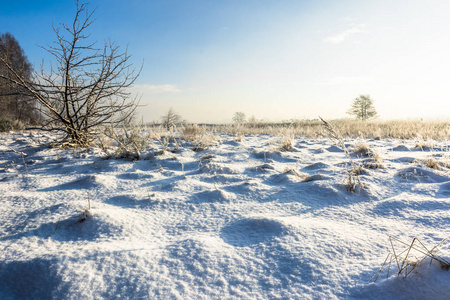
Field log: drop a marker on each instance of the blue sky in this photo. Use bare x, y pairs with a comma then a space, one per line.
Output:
272, 59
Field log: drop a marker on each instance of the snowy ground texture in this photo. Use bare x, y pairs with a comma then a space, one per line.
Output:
239, 220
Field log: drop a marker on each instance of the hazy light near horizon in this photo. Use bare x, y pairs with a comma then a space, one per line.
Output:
318, 63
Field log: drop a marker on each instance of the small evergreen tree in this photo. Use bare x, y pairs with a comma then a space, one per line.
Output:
362, 108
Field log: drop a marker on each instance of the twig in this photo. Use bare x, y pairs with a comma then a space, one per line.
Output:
14, 150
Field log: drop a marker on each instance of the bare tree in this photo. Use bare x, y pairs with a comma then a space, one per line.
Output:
363, 108
85, 87
171, 119
14, 101
239, 117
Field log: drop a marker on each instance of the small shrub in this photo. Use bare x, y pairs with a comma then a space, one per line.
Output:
131, 142
361, 149
287, 144
375, 161
433, 163
7, 125
191, 132
203, 142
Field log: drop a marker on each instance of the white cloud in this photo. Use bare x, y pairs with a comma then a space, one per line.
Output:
344, 80
148, 89
339, 38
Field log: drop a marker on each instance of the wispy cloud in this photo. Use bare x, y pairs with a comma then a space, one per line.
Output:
340, 37
339, 80
148, 89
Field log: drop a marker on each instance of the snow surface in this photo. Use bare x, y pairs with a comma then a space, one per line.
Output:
239, 220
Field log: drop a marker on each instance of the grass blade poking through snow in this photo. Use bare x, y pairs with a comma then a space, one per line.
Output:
408, 258
353, 174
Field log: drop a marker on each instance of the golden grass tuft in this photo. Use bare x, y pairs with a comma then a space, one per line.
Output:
361, 149
291, 171
435, 164
287, 144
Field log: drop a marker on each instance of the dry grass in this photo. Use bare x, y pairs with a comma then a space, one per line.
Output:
130, 142
349, 128
7, 125
424, 145
375, 161
301, 175
361, 149
203, 142
434, 163
192, 132
408, 256
287, 144
352, 180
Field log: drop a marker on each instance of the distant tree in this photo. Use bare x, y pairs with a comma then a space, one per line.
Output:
15, 101
252, 119
86, 86
171, 119
239, 117
362, 108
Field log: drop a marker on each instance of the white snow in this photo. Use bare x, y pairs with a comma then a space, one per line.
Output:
239, 220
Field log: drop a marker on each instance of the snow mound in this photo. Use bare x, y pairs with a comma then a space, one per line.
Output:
400, 148
406, 159
404, 204
250, 231
94, 227
134, 176
316, 177
421, 174
263, 167
85, 182
334, 148
128, 201
425, 282
248, 188
444, 190
214, 168
267, 154
211, 197
316, 166
286, 178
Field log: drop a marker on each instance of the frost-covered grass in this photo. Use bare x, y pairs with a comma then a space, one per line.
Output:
234, 219
421, 131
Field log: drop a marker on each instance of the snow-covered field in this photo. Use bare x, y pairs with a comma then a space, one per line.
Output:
239, 220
